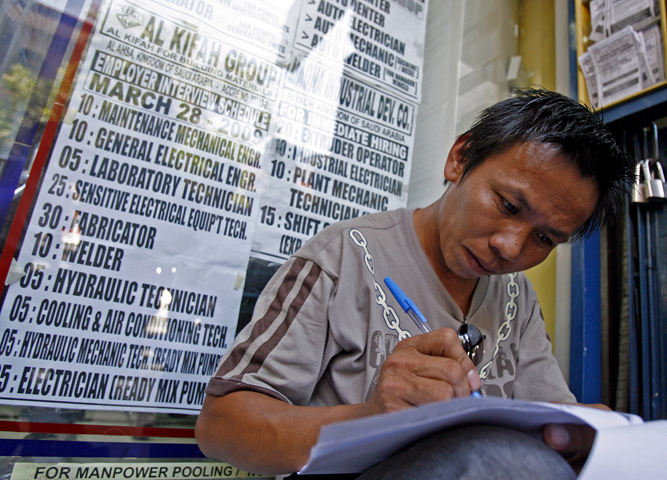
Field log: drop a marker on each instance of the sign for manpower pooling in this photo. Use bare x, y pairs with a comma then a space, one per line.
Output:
198, 133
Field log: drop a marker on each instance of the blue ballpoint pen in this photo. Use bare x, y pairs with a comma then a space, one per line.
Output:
413, 312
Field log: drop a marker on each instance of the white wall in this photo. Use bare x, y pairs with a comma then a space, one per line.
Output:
437, 111
468, 47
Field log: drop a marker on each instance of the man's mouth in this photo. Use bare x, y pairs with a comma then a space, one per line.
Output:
478, 265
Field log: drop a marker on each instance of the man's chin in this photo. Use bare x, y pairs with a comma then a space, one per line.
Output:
473, 267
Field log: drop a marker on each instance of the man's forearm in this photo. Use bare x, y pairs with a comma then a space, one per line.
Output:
260, 434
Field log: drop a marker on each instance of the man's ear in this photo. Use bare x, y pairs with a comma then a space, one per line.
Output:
454, 165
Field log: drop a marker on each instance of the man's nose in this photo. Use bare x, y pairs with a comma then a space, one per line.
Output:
509, 242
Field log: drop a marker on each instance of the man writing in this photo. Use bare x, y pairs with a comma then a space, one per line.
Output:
326, 342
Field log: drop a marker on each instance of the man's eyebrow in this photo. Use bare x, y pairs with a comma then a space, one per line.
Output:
561, 237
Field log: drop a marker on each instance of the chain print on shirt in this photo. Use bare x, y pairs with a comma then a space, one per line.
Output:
505, 328
388, 313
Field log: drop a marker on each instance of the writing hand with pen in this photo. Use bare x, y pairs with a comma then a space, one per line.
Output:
427, 368
440, 365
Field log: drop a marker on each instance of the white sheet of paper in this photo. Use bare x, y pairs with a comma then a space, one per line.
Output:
599, 19
355, 445
629, 12
628, 452
654, 52
591, 76
618, 66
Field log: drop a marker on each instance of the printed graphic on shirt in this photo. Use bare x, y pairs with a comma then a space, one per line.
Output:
497, 374
388, 313
500, 380
381, 345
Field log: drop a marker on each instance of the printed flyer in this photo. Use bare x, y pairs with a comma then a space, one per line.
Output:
345, 120
137, 247
199, 135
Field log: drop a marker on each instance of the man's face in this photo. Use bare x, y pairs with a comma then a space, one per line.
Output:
509, 212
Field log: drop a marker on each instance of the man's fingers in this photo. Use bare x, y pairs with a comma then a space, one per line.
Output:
423, 369
420, 378
569, 439
445, 343
474, 382
437, 355
445, 371
598, 406
401, 388
573, 442
427, 390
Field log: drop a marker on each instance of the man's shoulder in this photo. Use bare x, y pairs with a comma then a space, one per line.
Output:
378, 220
374, 222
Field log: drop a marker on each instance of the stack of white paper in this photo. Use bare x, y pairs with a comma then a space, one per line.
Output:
628, 53
356, 445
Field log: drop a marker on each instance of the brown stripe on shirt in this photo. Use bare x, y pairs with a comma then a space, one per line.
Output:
263, 324
293, 310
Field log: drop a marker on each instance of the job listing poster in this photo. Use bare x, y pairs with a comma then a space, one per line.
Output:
344, 122
136, 249
198, 131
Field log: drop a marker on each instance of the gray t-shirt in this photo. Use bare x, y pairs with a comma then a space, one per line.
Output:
326, 321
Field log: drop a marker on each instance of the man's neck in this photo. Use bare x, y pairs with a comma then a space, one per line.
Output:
460, 289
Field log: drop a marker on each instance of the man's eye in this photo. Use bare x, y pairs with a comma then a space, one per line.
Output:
545, 240
510, 208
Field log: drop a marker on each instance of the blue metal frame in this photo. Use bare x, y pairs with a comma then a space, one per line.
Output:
585, 333
636, 105
644, 309
585, 315
633, 320
586, 338
660, 350
78, 449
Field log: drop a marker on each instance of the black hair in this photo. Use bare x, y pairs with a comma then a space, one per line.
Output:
537, 115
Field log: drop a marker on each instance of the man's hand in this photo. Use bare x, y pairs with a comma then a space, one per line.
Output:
573, 442
422, 369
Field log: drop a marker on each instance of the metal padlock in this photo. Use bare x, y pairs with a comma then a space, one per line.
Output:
638, 190
658, 184
654, 190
